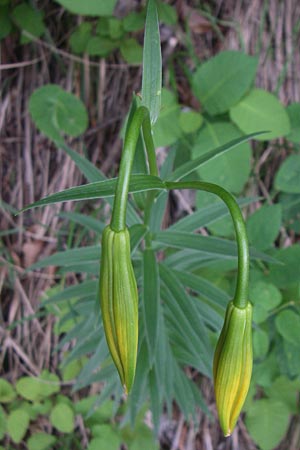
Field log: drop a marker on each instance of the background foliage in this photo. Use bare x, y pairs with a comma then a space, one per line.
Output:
77, 81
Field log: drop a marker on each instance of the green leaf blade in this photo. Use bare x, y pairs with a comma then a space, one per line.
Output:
151, 300
267, 422
56, 111
222, 81
260, 110
231, 169
152, 67
89, 7
288, 176
17, 424
193, 165
62, 418
100, 189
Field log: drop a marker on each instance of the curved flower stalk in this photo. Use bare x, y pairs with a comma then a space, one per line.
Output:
232, 366
119, 303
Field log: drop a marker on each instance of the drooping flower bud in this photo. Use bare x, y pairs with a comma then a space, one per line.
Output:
232, 366
119, 303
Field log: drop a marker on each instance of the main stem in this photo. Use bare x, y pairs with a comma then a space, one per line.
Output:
241, 292
140, 119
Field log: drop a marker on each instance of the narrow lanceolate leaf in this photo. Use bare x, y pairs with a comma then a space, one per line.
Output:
186, 322
191, 166
207, 215
206, 244
101, 189
93, 174
150, 300
81, 290
205, 288
68, 257
85, 166
151, 84
87, 222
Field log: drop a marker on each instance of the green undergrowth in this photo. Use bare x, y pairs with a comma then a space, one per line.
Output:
194, 277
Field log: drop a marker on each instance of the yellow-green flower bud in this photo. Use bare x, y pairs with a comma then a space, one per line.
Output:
119, 303
232, 366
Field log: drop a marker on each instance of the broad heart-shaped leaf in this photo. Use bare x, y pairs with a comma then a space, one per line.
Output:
222, 81
131, 51
41, 441
107, 438
289, 271
193, 165
55, 112
62, 418
288, 176
17, 424
288, 326
28, 19
265, 297
166, 13
290, 204
260, 110
143, 439
190, 121
100, 46
230, 170
100, 189
89, 7
80, 37
293, 111
5, 22
264, 225
152, 67
290, 359
7, 392
29, 388
2, 423
267, 421
34, 389
286, 391
260, 343
167, 130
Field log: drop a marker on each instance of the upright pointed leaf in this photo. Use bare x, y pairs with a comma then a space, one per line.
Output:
151, 84
151, 300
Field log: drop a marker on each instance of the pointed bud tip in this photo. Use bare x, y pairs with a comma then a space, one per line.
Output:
233, 365
119, 303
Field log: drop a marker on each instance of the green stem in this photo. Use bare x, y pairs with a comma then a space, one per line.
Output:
241, 292
141, 118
